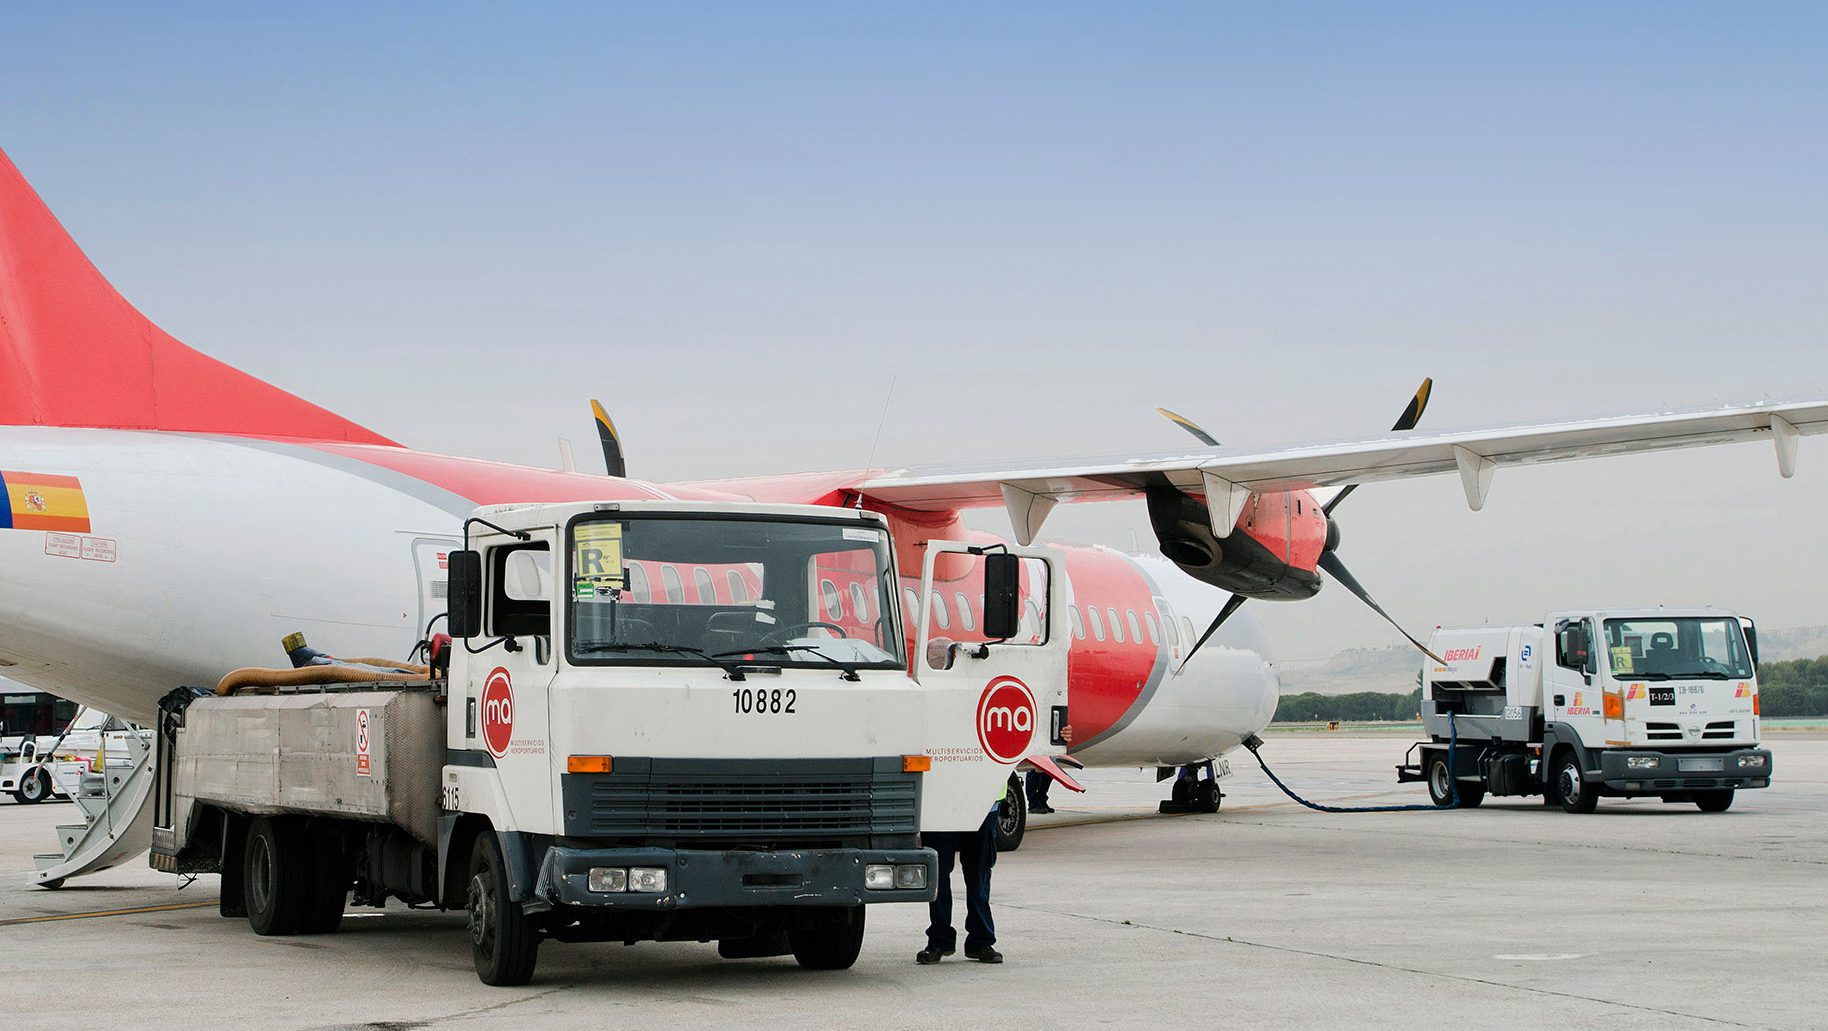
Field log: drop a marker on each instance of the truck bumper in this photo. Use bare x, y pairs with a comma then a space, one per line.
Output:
705, 879
1659, 773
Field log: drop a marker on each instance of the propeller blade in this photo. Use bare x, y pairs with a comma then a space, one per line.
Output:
1411, 415
1329, 561
613, 462
1231, 606
1189, 425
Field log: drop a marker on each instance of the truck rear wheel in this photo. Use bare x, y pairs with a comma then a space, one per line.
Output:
1577, 796
1714, 801
276, 878
502, 940
1012, 817
831, 941
1441, 786
329, 884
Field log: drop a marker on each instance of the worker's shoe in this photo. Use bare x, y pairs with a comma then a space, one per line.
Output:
1041, 807
984, 955
931, 955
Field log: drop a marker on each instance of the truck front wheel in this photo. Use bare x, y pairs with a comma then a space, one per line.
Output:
1577, 796
276, 881
1714, 801
1012, 816
503, 942
831, 941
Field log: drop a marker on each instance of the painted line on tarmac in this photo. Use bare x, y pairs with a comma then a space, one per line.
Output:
105, 912
1127, 817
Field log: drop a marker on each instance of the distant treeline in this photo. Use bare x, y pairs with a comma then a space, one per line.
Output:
1798, 688
1795, 688
1359, 707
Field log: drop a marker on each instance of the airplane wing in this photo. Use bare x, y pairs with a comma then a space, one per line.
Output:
1227, 477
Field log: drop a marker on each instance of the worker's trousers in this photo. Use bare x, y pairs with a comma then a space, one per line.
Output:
976, 851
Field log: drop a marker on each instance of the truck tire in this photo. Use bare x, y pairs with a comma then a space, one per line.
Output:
1012, 817
329, 884
1571, 787
34, 787
277, 879
1441, 782
831, 941
503, 943
1714, 801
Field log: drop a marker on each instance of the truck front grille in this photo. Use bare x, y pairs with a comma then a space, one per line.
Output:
1718, 729
744, 801
1663, 731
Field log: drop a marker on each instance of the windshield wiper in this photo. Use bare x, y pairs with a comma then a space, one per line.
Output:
849, 671
1642, 676
734, 671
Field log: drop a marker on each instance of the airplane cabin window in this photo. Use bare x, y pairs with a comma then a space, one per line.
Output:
940, 616
637, 582
1135, 628
675, 588
1078, 623
1116, 625
910, 603
860, 603
707, 591
1149, 622
828, 595
1187, 625
1092, 620
739, 591
966, 617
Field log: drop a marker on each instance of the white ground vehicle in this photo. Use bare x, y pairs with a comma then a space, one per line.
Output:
1624, 702
31, 772
650, 730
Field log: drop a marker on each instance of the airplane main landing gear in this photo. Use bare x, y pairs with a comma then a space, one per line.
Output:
1196, 788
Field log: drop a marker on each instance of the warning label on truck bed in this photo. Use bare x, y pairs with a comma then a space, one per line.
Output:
362, 767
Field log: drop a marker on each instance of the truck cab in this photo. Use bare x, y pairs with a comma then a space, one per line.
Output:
1589, 703
678, 721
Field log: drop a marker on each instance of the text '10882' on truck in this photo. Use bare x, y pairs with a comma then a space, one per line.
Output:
651, 728
1658, 702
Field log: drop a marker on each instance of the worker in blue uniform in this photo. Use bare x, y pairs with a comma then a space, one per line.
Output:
976, 851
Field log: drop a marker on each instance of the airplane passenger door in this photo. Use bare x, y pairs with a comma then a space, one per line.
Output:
991, 704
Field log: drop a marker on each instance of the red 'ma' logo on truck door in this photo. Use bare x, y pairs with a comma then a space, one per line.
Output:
497, 712
1006, 720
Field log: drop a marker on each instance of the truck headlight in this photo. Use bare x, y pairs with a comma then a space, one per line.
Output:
879, 878
1642, 762
1751, 762
608, 878
911, 875
647, 878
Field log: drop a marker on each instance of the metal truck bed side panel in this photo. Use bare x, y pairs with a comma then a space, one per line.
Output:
300, 753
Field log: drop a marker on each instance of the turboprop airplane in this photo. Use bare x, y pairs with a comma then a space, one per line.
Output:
166, 518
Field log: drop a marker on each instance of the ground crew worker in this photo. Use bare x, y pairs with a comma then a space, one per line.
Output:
976, 851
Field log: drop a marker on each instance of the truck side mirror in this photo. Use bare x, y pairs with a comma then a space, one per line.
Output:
1002, 595
1751, 640
464, 611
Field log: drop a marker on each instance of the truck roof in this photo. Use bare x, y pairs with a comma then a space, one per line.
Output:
549, 512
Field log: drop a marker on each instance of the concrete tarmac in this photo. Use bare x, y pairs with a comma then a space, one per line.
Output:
1642, 915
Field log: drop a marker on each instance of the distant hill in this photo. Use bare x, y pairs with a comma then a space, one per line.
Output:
1393, 669
1355, 669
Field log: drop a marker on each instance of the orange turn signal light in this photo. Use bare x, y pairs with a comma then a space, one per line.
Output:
589, 764
1614, 707
1754, 705
916, 763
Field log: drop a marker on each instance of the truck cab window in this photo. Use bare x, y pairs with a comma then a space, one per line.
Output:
518, 603
786, 607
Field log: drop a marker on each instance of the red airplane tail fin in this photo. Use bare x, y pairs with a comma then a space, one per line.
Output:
73, 352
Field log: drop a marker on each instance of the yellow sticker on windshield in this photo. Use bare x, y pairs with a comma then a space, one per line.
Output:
1621, 659
596, 558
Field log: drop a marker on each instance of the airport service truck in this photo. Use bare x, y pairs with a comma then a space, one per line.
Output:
1622, 702
659, 721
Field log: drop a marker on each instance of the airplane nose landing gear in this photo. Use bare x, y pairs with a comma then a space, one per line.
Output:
1196, 788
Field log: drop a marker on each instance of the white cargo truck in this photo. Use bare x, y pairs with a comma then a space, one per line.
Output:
654, 726
1624, 702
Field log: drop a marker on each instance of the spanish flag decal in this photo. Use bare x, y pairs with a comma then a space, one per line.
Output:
39, 501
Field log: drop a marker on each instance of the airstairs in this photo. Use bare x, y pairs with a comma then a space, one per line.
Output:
117, 816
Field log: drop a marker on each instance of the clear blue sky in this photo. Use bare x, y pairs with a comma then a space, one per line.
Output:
735, 223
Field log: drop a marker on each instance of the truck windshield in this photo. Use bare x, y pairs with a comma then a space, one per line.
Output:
724, 590
1677, 648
